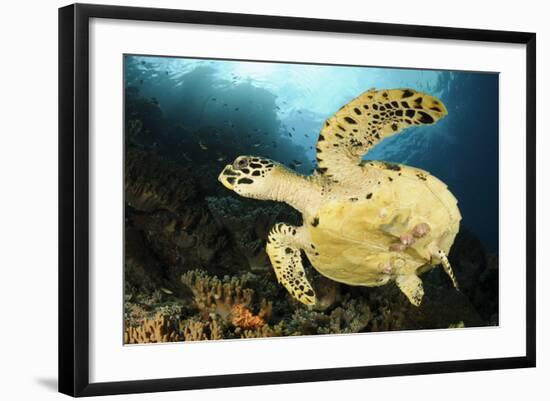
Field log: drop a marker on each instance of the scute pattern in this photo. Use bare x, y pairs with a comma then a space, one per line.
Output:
365, 121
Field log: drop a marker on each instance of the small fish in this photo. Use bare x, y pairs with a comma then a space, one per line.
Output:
299, 112
186, 157
292, 166
221, 159
203, 146
290, 135
256, 144
213, 99
306, 135
166, 72
141, 81
166, 291
236, 109
293, 129
225, 105
297, 162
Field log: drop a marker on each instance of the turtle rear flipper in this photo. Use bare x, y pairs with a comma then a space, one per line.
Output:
447, 267
283, 248
365, 121
411, 286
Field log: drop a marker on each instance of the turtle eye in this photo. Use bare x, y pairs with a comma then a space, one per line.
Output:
240, 163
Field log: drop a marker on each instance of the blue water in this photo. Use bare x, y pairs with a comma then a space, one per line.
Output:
221, 109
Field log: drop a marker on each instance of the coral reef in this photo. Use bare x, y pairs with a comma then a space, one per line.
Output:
242, 317
249, 222
352, 316
157, 330
152, 183
198, 330
219, 296
240, 306
169, 228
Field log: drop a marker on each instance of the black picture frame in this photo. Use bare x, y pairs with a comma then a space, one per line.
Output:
74, 198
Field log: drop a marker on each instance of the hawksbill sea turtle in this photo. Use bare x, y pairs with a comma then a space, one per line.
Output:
365, 223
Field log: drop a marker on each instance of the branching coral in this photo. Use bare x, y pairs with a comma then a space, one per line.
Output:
159, 329
198, 330
219, 296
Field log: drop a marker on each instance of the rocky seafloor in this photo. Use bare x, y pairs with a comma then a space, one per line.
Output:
196, 269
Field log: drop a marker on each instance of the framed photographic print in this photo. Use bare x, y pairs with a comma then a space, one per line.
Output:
295, 199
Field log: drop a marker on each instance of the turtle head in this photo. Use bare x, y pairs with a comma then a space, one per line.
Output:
250, 176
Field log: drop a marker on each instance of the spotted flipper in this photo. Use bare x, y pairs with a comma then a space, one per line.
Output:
447, 267
411, 286
283, 248
365, 121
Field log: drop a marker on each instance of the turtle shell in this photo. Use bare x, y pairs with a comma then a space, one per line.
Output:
353, 233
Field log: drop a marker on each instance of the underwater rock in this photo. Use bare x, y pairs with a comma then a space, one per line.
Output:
169, 228
152, 183
249, 223
440, 307
327, 291
141, 269
477, 274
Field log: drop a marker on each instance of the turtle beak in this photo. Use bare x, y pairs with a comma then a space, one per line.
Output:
228, 177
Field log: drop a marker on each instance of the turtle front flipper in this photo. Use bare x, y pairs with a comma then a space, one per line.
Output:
366, 120
411, 286
283, 248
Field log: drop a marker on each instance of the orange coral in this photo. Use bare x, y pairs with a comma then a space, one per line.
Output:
242, 317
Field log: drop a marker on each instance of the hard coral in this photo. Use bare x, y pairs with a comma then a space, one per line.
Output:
159, 329
219, 296
197, 330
